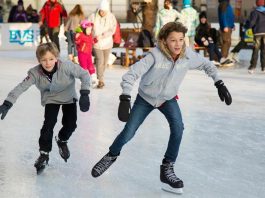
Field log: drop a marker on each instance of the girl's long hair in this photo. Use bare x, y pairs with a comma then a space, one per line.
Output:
77, 10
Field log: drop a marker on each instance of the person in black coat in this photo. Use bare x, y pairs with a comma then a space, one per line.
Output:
207, 37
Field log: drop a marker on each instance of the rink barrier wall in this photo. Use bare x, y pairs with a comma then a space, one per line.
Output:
21, 36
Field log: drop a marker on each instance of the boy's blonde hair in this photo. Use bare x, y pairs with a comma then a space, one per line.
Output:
164, 33
42, 49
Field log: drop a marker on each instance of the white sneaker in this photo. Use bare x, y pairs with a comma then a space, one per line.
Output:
216, 63
251, 71
94, 80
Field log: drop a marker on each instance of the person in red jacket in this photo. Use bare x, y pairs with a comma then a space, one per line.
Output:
52, 12
84, 44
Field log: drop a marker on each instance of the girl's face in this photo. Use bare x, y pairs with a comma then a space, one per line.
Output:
175, 42
88, 30
48, 61
102, 13
203, 20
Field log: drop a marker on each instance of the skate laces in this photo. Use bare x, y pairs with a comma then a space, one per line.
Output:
103, 164
169, 172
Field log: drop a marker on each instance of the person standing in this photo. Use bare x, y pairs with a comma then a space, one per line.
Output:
190, 18
257, 23
52, 13
104, 28
165, 15
161, 72
55, 80
226, 21
75, 17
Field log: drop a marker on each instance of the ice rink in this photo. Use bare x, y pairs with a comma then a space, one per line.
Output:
222, 154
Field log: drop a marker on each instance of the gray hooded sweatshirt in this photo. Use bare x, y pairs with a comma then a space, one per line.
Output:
61, 90
161, 76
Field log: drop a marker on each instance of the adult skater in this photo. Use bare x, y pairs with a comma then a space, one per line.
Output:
56, 81
161, 73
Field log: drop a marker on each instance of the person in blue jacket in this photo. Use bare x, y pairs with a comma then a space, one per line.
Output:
226, 21
161, 72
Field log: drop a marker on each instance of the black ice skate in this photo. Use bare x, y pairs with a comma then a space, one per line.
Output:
103, 165
63, 149
170, 182
41, 162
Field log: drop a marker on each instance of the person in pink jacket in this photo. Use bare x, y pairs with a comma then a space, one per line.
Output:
84, 43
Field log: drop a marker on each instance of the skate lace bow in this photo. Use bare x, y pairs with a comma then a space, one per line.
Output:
171, 175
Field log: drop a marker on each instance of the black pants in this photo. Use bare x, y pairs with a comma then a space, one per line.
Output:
259, 45
50, 118
54, 35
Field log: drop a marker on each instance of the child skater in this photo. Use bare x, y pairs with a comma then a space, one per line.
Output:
56, 81
76, 15
161, 72
84, 42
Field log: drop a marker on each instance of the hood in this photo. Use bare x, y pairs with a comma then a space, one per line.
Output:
104, 5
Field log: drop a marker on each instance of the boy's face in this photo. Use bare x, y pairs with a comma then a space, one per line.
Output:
175, 42
48, 61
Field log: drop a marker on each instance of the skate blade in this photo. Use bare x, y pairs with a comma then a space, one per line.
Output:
167, 188
40, 170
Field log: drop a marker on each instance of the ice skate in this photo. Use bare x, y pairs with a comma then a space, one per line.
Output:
41, 162
94, 80
63, 149
170, 182
103, 165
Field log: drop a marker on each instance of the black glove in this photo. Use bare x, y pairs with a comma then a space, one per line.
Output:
223, 92
4, 108
84, 102
124, 108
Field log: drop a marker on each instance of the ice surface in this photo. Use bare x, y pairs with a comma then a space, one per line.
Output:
222, 154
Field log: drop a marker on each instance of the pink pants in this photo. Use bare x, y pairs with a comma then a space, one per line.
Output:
85, 60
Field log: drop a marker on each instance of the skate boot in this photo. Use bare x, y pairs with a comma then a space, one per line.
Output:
41, 162
103, 165
63, 149
170, 182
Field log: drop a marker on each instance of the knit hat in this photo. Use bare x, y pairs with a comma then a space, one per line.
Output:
186, 3
85, 23
203, 14
20, 2
260, 2
104, 5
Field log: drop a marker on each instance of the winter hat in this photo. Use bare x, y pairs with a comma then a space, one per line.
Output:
20, 2
85, 23
186, 3
260, 2
104, 5
203, 14
220, 1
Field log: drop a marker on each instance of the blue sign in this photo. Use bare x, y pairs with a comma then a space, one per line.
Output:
21, 36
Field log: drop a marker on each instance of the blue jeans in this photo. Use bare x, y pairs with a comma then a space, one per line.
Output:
139, 112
